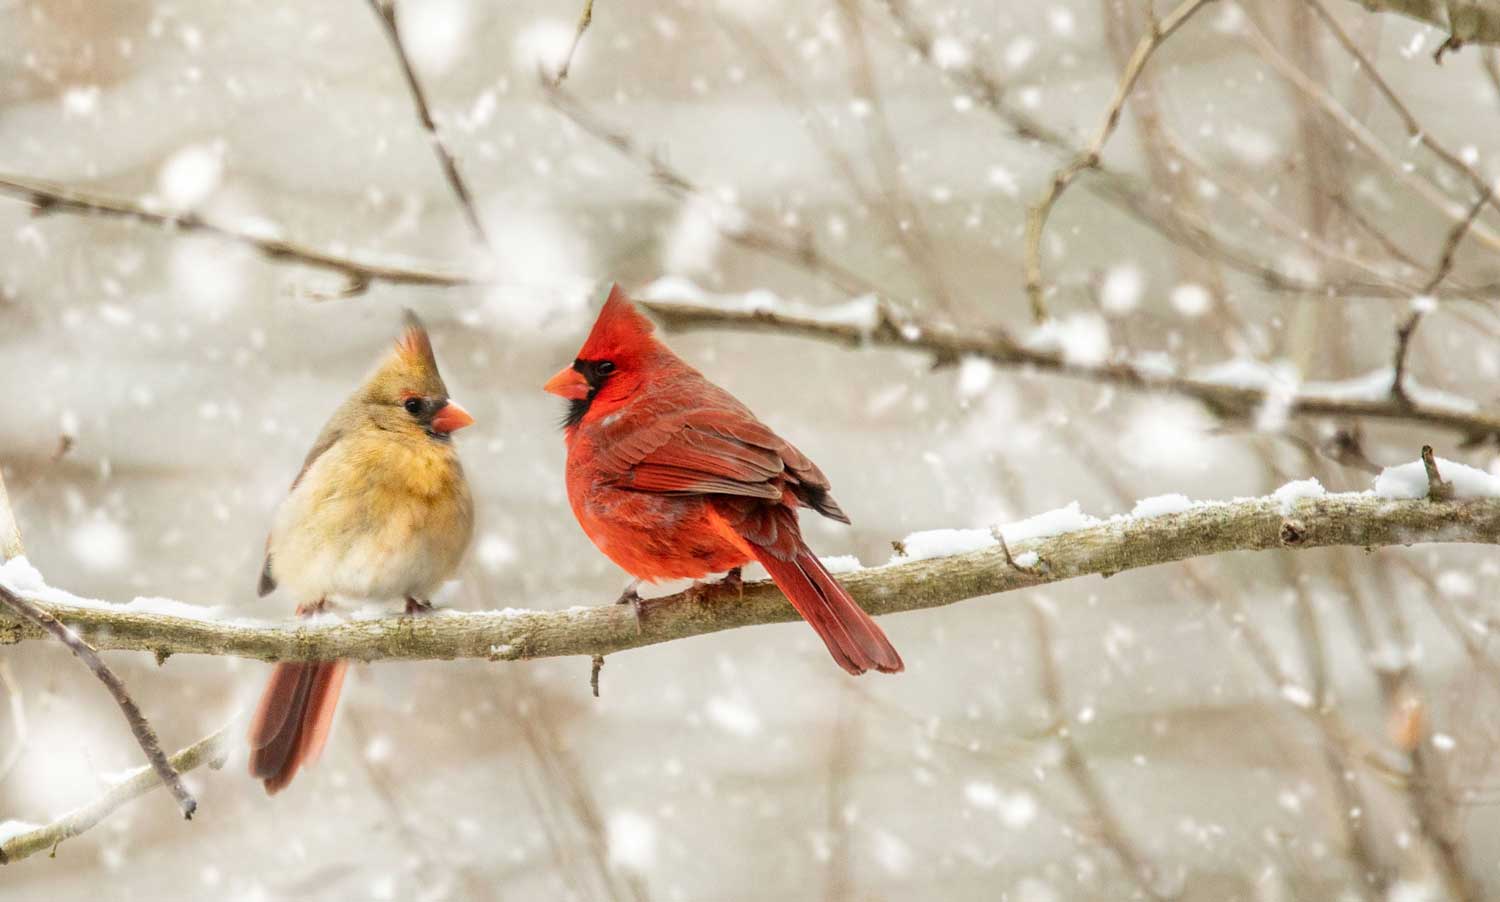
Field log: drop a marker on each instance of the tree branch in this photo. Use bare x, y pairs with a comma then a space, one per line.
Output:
385, 10
27, 612
1109, 547
1036, 216
46, 198
35, 617
210, 750
948, 345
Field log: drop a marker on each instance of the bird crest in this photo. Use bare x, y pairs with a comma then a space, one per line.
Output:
619, 328
412, 367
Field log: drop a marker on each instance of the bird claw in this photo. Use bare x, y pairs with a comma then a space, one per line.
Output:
637, 604
417, 608
706, 591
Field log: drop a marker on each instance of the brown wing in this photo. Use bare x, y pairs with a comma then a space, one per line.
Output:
717, 450
326, 439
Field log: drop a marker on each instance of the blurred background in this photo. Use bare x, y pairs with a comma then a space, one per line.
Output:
1263, 207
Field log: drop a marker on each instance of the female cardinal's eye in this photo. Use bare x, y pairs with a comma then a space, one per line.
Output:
604, 367
413, 406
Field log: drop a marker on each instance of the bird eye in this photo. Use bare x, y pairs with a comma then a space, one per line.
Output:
413, 406
604, 367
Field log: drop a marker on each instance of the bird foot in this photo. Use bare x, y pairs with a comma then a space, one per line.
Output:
416, 607
637, 604
701, 592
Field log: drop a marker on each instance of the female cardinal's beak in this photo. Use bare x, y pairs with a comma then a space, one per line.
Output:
568, 383
450, 418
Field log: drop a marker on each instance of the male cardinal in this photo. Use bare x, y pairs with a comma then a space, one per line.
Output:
673, 478
380, 510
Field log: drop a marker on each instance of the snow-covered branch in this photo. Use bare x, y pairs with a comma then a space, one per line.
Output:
20, 840
936, 569
1229, 389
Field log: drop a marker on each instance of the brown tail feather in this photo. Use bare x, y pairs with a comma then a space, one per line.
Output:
852, 636
292, 722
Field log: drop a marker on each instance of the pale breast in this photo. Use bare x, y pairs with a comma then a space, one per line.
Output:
376, 519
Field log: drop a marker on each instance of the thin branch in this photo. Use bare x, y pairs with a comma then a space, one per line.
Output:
1036, 216
1139, 870
385, 10
211, 750
947, 345
1444, 266
46, 198
39, 619
797, 250
1363, 136
585, 19
1109, 547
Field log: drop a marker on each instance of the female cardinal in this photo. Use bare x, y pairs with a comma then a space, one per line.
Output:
672, 478
380, 510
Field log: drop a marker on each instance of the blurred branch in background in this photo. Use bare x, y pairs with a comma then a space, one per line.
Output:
1226, 396
1098, 548
385, 10
46, 199
1037, 215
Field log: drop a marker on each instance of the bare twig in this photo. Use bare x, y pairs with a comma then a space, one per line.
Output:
385, 10
585, 19
1358, 520
906, 223
1438, 488
797, 250
947, 344
210, 750
48, 198
1408, 328
1036, 216
1365, 138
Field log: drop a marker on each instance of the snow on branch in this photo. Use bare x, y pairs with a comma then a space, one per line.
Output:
938, 569
1229, 389
20, 840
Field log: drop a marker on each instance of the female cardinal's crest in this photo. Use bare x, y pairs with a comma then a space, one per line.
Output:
414, 345
620, 327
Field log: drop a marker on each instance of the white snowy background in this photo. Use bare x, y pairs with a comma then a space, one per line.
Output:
188, 377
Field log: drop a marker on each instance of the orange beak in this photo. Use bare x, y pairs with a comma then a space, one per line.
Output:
568, 383
451, 417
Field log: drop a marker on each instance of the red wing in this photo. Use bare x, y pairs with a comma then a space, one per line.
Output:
717, 450
692, 459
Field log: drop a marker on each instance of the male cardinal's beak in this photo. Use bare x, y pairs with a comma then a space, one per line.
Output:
451, 417
568, 383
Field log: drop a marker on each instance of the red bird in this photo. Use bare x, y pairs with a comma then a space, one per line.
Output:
673, 478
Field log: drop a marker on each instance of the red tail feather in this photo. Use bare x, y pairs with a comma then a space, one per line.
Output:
292, 722
852, 636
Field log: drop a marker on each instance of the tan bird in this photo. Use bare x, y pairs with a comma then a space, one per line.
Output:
381, 510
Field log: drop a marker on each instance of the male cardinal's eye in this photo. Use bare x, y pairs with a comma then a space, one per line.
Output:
413, 406
604, 367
